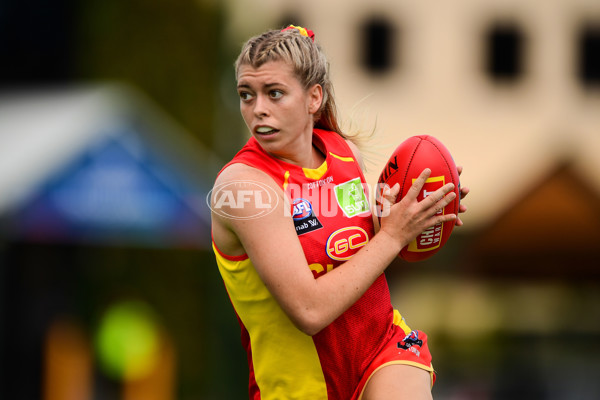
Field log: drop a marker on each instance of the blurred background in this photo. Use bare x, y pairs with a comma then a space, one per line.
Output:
115, 117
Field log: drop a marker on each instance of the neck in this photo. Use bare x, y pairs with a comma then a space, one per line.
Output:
304, 154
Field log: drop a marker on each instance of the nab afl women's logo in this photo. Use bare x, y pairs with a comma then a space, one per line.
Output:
305, 220
301, 209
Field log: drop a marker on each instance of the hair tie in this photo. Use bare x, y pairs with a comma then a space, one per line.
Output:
303, 31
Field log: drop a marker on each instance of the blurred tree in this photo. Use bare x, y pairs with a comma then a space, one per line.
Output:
169, 49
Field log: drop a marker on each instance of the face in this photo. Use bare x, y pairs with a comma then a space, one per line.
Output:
276, 108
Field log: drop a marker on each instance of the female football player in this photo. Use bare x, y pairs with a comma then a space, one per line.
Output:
295, 241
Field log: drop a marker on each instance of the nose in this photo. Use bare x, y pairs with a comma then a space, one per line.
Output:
261, 106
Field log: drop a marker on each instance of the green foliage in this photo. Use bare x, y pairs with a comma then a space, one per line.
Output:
170, 49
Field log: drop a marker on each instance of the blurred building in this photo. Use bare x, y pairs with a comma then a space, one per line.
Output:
101, 164
511, 87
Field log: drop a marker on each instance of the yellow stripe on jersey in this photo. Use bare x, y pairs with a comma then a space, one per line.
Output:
315, 173
286, 176
283, 356
399, 320
346, 159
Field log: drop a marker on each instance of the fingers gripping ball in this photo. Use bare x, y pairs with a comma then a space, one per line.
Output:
406, 163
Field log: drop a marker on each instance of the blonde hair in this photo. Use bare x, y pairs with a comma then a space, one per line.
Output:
310, 66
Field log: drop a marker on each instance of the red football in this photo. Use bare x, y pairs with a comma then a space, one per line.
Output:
404, 166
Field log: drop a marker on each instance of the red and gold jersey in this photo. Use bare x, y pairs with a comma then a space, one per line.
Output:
333, 221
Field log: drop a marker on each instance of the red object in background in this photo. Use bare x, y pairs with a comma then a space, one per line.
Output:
406, 163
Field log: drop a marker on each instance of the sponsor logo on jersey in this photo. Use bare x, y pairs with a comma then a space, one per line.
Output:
351, 197
301, 209
431, 238
304, 218
343, 243
319, 183
410, 340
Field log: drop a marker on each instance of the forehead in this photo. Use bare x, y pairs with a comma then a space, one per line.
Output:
269, 73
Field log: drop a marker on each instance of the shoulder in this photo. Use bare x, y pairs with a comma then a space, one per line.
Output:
338, 142
235, 187
240, 171
356, 153
245, 203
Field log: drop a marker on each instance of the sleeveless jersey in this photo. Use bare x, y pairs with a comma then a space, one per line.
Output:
332, 218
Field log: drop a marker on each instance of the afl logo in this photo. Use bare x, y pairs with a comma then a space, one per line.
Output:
343, 243
301, 209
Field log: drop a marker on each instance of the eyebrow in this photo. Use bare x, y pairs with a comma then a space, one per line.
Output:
268, 85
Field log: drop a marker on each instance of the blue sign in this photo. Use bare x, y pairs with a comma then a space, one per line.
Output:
117, 191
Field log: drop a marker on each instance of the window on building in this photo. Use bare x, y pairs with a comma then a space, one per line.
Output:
589, 55
378, 45
503, 54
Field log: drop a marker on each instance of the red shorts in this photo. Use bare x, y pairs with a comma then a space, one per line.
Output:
405, 347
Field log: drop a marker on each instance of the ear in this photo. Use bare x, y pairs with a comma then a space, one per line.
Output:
315, 98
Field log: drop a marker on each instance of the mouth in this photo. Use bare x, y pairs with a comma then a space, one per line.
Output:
266, 130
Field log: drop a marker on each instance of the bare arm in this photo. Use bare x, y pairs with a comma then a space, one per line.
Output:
272, 244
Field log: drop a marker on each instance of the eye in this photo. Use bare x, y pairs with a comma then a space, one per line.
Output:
276, 94
245, 96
